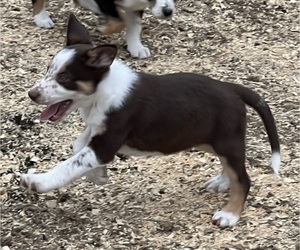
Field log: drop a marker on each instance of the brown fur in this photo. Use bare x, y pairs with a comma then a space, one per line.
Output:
175, 112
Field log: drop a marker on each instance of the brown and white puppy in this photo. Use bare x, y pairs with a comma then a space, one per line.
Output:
120, 14
142, 114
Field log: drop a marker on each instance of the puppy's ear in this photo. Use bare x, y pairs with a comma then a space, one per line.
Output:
101, 56
76, 32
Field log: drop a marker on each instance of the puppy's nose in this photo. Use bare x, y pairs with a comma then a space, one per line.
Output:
167, 11
34, 94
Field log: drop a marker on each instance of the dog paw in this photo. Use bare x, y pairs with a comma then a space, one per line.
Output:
98, 180
219, 183
98, 176
30, 182
225, 219
43, 20
139, 51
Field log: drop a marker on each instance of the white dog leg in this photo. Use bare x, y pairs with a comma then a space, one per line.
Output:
64, 173
133, 33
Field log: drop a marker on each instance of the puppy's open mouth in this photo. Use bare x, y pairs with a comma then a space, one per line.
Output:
55, 111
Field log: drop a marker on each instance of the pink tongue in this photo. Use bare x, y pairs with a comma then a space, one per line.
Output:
55, 111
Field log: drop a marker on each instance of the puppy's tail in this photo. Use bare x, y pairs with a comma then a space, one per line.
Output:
255, 101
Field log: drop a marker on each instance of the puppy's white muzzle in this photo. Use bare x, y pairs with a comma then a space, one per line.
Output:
163, 9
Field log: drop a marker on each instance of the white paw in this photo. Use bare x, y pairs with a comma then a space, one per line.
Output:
138, 51
34, 183
98, 176
43, 20
220, 183
225, 219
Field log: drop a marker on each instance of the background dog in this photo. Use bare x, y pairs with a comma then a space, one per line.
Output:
120, 14
136, 113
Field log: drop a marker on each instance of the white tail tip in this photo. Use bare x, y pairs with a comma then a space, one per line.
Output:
275, 162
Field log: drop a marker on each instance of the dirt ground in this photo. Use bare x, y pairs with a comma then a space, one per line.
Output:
154, 203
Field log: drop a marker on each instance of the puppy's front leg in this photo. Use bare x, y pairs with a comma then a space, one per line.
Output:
41, 17
64, 173
97, 175
133, 35
82, 140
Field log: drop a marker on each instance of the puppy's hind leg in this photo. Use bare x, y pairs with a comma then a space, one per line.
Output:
112, 26
40, 15
220, 183
233, 160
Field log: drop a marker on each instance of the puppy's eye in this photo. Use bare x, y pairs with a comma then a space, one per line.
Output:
62, 78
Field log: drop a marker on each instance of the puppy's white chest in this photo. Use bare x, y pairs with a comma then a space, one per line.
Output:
93, 117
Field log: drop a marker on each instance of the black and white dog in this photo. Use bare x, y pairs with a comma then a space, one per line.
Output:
138, 113
120, 14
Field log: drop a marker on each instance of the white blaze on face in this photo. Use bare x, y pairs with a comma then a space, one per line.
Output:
50, 90
61, 59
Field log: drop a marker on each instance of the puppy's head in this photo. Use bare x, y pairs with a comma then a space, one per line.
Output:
73, 74
162, 8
